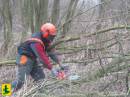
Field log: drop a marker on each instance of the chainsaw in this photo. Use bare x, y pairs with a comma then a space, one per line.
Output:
63, 72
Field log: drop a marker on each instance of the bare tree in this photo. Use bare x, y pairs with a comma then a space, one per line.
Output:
55, 11
7, 22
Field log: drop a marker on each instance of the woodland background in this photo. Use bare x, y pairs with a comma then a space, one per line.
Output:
93, 39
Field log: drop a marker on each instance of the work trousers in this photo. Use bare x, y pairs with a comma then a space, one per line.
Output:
26, 66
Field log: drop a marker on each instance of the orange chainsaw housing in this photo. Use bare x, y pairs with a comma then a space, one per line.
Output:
61, 75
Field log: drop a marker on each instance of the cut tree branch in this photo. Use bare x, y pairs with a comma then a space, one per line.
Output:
108, 29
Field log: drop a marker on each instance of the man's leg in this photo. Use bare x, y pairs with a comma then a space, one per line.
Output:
24, 68
37, 73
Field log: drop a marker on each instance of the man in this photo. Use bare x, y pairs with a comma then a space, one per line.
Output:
35, 51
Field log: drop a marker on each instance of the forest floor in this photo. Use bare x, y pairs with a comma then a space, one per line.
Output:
107, 86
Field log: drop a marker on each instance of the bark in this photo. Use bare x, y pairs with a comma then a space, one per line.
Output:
41, 13
70, 13
7, 18
108, 29
55, 12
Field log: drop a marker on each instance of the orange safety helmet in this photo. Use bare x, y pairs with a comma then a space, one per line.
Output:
48, 29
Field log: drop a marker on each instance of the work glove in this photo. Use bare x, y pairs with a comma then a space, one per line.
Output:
58, 72
60, 67
64, 68
56, 68
54, 72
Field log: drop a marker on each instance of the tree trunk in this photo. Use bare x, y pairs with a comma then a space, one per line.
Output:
7, 18
70, 13
55, 11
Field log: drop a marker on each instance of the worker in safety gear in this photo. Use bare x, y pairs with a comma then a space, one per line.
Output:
34, 51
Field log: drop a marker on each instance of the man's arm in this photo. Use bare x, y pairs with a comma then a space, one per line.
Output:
52, 54
40, 53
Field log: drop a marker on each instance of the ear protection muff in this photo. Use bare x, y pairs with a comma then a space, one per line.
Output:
45, 35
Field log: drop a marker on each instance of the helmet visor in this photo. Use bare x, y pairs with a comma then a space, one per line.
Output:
51, 37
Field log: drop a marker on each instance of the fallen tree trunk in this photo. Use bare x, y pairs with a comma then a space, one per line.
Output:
8, 62
66, 39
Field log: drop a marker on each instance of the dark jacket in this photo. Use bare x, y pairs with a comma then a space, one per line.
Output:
35, 49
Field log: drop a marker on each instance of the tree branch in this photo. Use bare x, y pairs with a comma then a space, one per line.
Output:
108, 29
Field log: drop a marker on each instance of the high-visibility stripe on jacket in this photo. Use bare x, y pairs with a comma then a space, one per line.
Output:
36, 40
38, 48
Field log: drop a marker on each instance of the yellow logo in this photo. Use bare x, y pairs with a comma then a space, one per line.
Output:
6, 89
